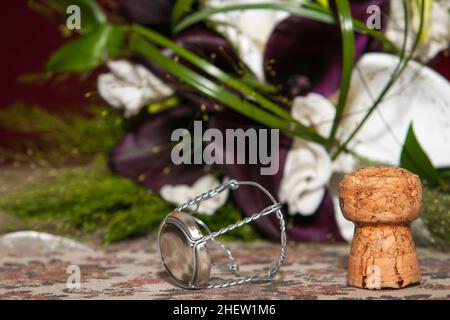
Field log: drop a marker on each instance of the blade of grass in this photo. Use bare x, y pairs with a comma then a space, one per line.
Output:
348, 59
212, 70
400, 67
219, 93
405, 4
358, 25
207, 12
220, 75
308, 9
181, 8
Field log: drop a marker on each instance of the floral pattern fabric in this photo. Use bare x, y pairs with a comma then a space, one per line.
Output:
132, 270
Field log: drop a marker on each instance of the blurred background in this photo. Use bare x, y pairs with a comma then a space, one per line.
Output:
57, 133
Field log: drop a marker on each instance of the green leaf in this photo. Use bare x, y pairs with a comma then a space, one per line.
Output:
116, 41
92, 14
444, 172
226, 79
217, 92
181, 9
348, 59
401, 65
324, 3
87, 51
414, 159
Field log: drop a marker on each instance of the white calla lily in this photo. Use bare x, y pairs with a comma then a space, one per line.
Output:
436, 33
247, 30
130, 86
420, 96
182, 193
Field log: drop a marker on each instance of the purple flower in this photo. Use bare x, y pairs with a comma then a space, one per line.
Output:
143, 154
301, 56
441, 63
305, 55
320, 226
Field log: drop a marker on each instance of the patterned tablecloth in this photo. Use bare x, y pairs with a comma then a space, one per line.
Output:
132, 270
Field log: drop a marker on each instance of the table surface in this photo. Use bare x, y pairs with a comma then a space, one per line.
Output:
132, 270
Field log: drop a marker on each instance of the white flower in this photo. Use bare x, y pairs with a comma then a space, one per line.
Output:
306, 173
309, 170
436, 31
308, 167
314, 110
130, 86
247, 30
420, 96
182, 193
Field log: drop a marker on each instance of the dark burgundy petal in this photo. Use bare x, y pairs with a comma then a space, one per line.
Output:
143, 154
359, 9
441, 63
304, 55
321, 226
209, 45
147, 12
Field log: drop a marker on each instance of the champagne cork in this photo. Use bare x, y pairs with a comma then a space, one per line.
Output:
382, 202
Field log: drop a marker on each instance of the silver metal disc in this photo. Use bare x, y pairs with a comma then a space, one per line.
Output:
187, 263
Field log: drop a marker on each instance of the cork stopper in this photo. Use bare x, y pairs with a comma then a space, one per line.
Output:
381, 195
382, 201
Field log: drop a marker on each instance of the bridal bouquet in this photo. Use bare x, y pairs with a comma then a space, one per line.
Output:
345, 82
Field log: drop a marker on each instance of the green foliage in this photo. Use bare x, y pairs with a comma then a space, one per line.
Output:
87, 51
92, 202
98, 40
203, 14
58, 139
230, 81
323, 3
401, 65
348, 59
311, 10
91, 13
182, 8
215, 90
436, 215
414, 158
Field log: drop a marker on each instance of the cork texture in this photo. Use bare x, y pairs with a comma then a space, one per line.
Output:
383, 257
382, 201
381, 194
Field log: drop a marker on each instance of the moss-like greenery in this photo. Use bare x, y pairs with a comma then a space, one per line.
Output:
57, 139
87, 201
436, 215
92, 202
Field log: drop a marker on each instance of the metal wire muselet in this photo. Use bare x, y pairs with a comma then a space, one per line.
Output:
183, 247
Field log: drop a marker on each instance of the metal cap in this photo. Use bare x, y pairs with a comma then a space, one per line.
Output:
186, 261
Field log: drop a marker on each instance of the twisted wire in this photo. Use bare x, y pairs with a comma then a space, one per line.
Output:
209, 194
275, 268
276, 207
